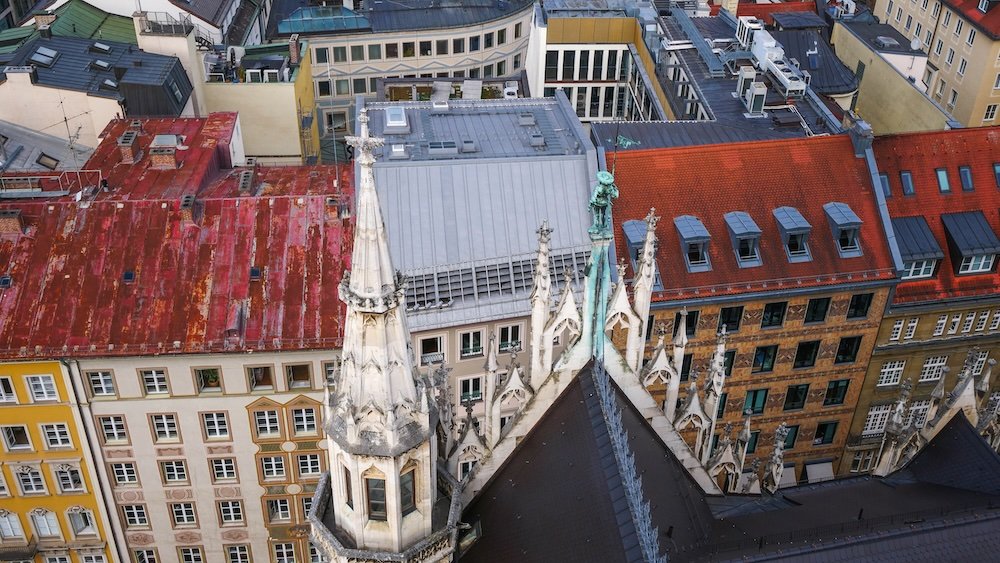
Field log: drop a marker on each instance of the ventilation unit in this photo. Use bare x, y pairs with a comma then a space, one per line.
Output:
246, 181
526, 119
537, 140
754, 99
398, 152
746, 76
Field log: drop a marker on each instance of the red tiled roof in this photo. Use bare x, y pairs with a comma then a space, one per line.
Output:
709, 181
988, 23
921, 154
192, 290
765, 11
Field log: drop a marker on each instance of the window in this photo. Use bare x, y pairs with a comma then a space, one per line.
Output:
342, 87
936, 9
488, 40
10, 526
510, 338
958, 27
878, 415
897, 329
774, 314
70, 480
942, 322
953, 99
730, 317
696, 254
965, 175
763, 359
727, 362
816, 310
909, 22
208, 380
955, 320
191, 555
145, 556
980, 362
357, 53
793, 433
223, 469
991, 112
374, 52
304, 420
971, 38
30, 481
917, 414
183, 513
984, 5
7, 394
273, 467
859, 305
154, 381
891, 372
407, 492
906, 180
962, 64
825, 431
981, 323
796, 245
173, 472
938, 47
348, 490
425, 49
933, 368
309, 465
847, 351
82, 522
795, 398
805, 354
231, 511
458, 46
323, 88
164, 427
375, 493
918, 269
755, 401
284, 553
16, 438
977, 264
431, 350
472, 344
995, 322
884, 181
216, 425
113, 429
101, 384
888, 8
279, 510
409, 49
471, 389
237, 554
969, 319
260, 378
46, 524
42, 388
56, 435
267, 423
465, 467
322, 55
501, 36
340, 54
307, 503
135, 515
690, 323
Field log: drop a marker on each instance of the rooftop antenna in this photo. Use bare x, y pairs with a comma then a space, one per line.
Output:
71, 137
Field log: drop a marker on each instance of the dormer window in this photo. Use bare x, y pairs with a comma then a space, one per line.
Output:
845, 226
694, 243
984, 5
794, 233
745, 235
917, 247
977, 264
972, 242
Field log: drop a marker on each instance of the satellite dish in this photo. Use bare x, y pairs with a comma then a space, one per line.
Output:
915, 44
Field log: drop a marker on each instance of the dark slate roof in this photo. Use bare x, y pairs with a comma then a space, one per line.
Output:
971, 233
916, 240
656, 135
798, 20
870, 32
936, 463
829, 75
209, 10
559, 496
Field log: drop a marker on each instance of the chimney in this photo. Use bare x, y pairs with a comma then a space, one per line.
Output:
293, 49
187, 208
862, 137
163, 158
127, 147
45, 31
44, 20
10, 222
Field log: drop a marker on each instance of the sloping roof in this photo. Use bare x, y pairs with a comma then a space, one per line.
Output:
829, 76
75, 18
766, 11
630, 135
959, 458
25, 146
212, 11
971, 233
191, 290
558, 497
805, 19
915, 238
757, 178
921, 154
988, 23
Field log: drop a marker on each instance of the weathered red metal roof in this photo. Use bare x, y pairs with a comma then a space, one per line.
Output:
192, 289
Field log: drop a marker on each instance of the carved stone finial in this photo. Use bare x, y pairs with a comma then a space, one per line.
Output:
544, 232
621, 269
651, 218
568, 275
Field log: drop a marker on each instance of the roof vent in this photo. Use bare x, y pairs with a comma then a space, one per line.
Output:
98, 47
469, 146
135, 124
128, 276
439, 148
395, 121
163, 158
883, 42
526, 119
5, 282
255, 273
537, 141
10, 222
398, 152
440, 105
246, 180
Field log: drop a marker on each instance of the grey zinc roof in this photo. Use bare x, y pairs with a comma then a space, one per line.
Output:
829, 75
798, 20
212, 11
691, 229
24, 146
916, 240
841, 214
971, 233
740, 223
790, 220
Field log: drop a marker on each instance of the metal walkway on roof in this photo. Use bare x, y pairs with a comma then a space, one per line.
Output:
712, 61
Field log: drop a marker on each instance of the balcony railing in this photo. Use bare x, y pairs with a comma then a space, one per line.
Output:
472, 351
433, 358
508, 346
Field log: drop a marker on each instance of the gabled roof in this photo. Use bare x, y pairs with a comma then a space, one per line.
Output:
988, 23
212, 11
792, 179
75, 18
921, 154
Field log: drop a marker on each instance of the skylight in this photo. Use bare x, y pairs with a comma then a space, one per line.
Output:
101, 65
101, 47
42, 60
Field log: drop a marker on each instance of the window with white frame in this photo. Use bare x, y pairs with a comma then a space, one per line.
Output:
465, 467
97, 558
304, 420
82, 522
124, 473
298, 375
30, 480
314, 555
284, 553
471, 343
431, 350
56, 435
15, 438
980, 362
260, 378
174, 471
209, 380
918, 269
191, 555
933, 368
145, 556
984, 316
4, 491
216, 425
939, 327
970, 318
56, 559
7, 394
977, 264
891, 372
10, 526
273, 467
70, 479
278, 510
911, 328
897, 329
510, 338
223, 469
164, 427
309, 465
46, 524
878, 415
995, 321
183, 513
471, 389
267, 423
101, 383
154, 381
991, 112
42, 388
231, 511
135, 515
956, 320
917, 415
237, 554
113, 429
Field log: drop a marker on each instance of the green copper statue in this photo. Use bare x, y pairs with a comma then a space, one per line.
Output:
605, 192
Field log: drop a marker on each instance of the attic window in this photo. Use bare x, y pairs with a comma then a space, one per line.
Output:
694, 243
47, 161
845, 225
965, 175
5, 282
100, 65
109, 84
99, 47
128, 276
984, 5
176, 91
745, 235
794, 233
255, 273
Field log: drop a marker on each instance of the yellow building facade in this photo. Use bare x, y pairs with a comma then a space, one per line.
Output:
51, 506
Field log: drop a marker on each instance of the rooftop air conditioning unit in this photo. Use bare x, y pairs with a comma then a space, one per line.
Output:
754, 99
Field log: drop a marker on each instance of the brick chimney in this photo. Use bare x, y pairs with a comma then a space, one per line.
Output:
163, 158
294, 56
187, 208
10, 222
44, 19
127, 147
